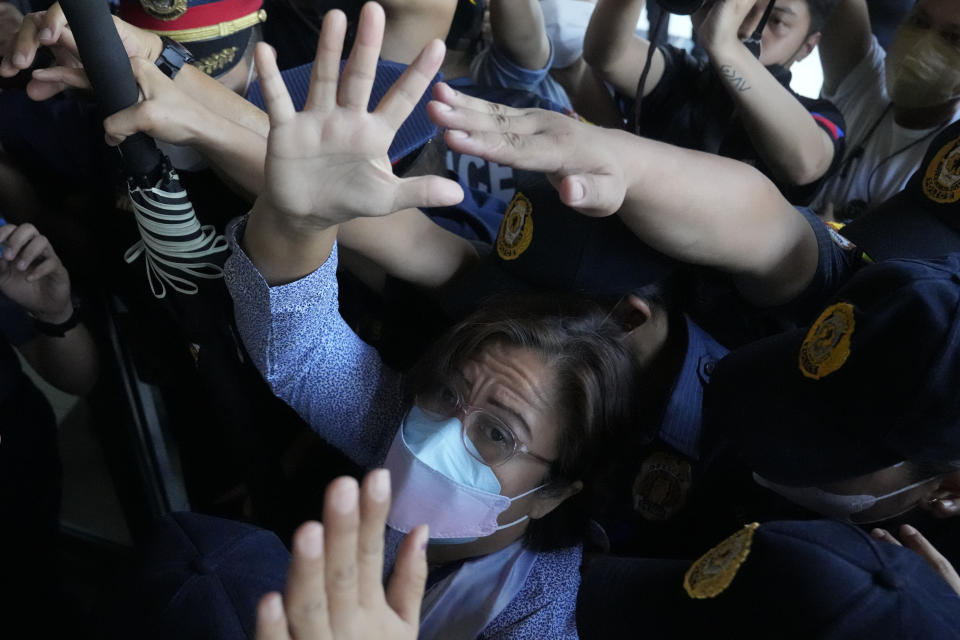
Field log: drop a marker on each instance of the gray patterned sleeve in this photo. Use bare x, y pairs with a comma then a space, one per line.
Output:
312, 359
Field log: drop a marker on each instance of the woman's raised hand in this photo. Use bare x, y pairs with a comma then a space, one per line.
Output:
328, 164
335, 585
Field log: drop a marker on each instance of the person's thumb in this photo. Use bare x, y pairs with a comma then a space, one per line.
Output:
425, 192
591, 194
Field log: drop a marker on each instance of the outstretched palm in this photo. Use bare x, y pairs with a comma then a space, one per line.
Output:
328, 164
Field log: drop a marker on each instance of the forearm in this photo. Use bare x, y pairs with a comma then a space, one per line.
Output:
232, 135
844, 42
230, 131
610, 45
237, 152
69, 363
205, 89
281, 250
409, 246
222, 101
519, 32
782, 131
741, 224
695, 207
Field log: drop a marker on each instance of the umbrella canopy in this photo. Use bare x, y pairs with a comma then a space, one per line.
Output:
176, 249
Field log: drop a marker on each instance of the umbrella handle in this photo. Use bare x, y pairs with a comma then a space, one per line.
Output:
108, 67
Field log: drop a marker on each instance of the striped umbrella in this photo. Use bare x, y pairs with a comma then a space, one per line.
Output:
176, 249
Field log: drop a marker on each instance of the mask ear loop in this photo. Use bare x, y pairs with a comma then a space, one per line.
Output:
500, 527
753, 42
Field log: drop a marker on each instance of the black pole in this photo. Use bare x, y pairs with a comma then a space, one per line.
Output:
108, 67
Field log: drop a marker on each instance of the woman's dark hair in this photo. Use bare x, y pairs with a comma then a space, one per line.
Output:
594, 387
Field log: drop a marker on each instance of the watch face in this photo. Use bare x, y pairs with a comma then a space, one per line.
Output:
173, 57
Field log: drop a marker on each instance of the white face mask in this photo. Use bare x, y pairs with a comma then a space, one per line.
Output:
835, 505
468, 491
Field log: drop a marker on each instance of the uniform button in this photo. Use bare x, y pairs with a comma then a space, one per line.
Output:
203, 567
710, 367
888, 579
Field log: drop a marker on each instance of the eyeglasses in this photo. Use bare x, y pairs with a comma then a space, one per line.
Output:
485, 435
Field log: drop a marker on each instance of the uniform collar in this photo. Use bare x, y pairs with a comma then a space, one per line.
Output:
683, 416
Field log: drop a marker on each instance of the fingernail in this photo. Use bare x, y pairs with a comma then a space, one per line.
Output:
426, 538
443, 106
380, 485
907, 530
577, 192
456, 133
45, 34
273, 608
877, 533
344, 497
19, 59
310, 541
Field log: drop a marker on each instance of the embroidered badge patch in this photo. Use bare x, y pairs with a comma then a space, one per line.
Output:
715, 570
214, 63
164, 9
941, 181
516, 228
660, 489
827, 344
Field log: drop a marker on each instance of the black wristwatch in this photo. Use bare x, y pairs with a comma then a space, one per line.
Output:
173, 57
58, 330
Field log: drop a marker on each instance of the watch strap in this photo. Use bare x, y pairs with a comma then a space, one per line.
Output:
173, 56
59, 330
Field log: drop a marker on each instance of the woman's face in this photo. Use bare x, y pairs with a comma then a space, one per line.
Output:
516, 385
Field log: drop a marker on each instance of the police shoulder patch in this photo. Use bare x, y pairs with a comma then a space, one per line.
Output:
827, 345
660, 489
164, 9
516, 228
941, 180
715, 570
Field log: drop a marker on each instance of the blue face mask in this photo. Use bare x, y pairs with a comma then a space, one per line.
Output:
438, 443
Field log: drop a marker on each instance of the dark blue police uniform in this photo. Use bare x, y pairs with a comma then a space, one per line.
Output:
783, 579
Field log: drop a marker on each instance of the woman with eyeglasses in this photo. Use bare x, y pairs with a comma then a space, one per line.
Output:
491, 439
